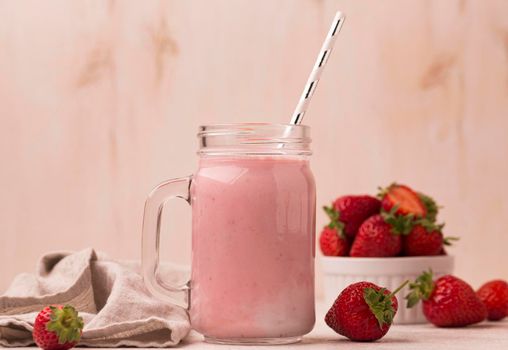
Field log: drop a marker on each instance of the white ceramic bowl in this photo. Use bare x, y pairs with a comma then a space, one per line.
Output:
340, 272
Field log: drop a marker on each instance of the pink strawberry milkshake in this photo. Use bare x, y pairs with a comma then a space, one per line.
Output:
253, 247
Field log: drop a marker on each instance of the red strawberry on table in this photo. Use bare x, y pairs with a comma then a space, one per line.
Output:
447, 302
57, 327
333, 242
404, 199
363, 311
494, 295
350, 211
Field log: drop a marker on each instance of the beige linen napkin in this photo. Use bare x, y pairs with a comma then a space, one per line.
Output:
110, 295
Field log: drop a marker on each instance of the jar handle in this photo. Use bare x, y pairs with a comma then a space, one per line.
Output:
175, 188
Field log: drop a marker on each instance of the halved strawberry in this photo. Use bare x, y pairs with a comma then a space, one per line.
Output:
404, 199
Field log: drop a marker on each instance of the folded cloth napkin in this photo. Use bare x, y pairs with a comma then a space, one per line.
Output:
109, 295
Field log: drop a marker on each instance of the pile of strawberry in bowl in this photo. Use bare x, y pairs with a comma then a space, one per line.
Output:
373, 246
386, 240
400, 222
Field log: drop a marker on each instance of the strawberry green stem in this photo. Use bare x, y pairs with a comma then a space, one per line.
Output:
398, 289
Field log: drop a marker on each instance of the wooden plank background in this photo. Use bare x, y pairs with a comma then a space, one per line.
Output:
100, 101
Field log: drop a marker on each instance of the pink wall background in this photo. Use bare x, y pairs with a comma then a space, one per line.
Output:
100, 101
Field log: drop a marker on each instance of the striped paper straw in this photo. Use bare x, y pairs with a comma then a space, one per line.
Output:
317, 70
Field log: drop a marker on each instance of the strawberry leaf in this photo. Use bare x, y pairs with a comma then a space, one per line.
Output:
331, 212
380, 304
384, 191
421, 289
65, 323
430, 205
335, 223
449, 240
428, 225
401, 224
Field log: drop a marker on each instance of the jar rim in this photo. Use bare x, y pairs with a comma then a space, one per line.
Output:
254, 138
253, 125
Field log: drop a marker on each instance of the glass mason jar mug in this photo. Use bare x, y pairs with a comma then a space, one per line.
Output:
253, 205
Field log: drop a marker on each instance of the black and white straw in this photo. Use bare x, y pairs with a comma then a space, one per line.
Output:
314, 76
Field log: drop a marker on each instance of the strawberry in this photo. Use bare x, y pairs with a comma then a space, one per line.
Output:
379, 236
426, 237
333, 242
350, 211
363, 311
447, 302
422, 242
494, 295
404, 199
57, 327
